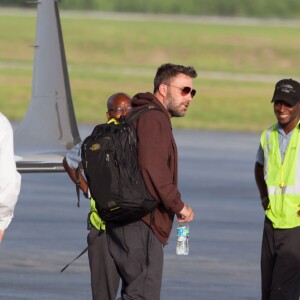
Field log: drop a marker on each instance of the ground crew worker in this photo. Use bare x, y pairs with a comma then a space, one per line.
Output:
104, 275
277, 174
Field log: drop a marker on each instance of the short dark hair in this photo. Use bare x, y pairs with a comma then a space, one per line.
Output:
168, 71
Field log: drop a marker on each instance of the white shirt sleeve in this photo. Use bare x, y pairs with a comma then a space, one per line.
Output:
10, 179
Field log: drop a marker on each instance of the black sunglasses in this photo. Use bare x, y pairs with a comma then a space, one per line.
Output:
185, 90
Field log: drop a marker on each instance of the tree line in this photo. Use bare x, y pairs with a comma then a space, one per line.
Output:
234, 8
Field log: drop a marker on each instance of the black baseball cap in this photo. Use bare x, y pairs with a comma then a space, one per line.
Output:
287, 90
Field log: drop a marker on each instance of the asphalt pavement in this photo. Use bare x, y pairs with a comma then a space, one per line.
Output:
216, 180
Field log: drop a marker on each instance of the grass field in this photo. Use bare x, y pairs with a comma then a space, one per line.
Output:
238, 65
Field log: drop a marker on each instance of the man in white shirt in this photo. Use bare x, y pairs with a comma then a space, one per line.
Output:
10, 179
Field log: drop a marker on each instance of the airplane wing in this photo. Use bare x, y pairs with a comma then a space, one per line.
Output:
49, 128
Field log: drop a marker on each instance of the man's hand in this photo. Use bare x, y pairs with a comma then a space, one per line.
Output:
265, 202
1, 234
186, 214
87, 194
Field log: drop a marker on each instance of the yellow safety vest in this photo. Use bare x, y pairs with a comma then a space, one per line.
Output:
282, 178
95, 219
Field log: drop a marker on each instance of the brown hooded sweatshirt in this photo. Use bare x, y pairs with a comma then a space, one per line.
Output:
158, 161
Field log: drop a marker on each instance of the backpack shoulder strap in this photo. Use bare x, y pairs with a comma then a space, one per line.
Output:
132, 117
137, 114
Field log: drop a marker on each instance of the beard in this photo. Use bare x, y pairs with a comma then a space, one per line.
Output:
173, 106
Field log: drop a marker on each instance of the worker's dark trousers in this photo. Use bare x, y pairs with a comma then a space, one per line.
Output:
280, 263
104, 276
138, 256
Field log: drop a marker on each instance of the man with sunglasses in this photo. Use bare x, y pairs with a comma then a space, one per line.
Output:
104, 276
137, 248
277, 174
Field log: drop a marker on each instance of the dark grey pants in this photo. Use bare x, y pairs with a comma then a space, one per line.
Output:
280, 263
138, 255
104, 276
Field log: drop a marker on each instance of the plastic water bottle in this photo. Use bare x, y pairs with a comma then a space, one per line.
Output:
183, 233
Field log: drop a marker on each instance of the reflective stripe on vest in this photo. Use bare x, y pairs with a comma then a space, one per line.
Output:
282, 178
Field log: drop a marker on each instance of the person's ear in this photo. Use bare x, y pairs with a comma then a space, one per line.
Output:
108, 116
162, 89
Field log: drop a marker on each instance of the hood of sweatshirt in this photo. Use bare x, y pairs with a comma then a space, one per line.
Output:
142, 99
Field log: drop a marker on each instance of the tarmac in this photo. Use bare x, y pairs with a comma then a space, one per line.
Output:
216, 178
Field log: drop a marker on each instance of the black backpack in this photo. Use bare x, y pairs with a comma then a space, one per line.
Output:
110, 164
